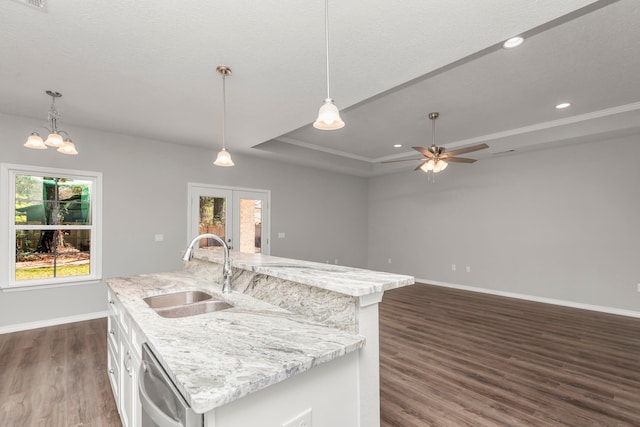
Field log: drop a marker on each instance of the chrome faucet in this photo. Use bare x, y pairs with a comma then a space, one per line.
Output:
226, 269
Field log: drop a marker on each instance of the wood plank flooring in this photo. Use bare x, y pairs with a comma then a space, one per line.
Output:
56, 377
457, 358
448, 358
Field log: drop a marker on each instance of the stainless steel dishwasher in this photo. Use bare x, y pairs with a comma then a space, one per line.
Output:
161, 402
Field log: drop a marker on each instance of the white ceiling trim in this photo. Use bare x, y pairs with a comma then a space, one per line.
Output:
484, 138
315, 147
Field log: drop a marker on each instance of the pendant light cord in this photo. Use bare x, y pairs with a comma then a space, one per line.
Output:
224, 108
326, 35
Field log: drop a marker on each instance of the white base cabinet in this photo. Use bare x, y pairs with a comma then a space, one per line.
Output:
123, 363
329, 391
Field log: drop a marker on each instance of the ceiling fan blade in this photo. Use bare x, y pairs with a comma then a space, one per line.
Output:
420, 165
424, 151
458, 160
403, 160
467, 149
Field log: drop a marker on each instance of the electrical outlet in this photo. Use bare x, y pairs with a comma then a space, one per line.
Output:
468, 269
281, 235
638, 287
453, 267
388, 260
302, 420
159, 237
335, 261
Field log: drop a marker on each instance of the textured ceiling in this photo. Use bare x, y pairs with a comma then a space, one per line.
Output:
147, 68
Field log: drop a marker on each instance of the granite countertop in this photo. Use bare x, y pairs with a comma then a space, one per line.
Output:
346, 280
218, 357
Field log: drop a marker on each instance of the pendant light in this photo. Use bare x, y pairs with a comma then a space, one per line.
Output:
55, 139
224, 157
329, 115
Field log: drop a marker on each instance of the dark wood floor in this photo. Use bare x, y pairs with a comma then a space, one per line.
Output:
56, 377
456, 358
448, 358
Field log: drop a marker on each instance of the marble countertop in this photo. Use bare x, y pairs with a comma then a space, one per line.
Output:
346, 280
218, 357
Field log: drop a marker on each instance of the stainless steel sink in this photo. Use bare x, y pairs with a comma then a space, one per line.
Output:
176, 298
186, 303
193, 309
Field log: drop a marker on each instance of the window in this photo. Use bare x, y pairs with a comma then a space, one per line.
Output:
51, 218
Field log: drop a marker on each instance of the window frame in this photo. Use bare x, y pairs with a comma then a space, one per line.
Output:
8, 227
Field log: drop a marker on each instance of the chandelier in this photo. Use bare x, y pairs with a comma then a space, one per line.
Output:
55, 137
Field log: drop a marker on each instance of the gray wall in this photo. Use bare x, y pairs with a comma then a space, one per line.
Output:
145, 193
561, 223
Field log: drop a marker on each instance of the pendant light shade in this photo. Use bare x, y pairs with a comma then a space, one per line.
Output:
224, 157
54, 139
329, 115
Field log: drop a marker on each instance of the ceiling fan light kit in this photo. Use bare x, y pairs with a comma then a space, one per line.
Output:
55, 139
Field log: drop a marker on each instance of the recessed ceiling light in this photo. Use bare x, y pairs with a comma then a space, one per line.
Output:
513, 42
397, 145
563, 105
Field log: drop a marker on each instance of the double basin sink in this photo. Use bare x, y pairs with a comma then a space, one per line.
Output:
186, 303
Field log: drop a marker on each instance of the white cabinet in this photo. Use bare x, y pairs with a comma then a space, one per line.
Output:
113, 348
123, 363
128, 409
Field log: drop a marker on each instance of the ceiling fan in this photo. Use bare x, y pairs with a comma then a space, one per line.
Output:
436, 159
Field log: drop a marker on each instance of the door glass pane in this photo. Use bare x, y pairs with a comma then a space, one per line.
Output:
251, 226
212, 218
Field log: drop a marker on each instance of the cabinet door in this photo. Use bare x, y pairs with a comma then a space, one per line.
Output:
130, 401
136, 409
127, 389
113, 367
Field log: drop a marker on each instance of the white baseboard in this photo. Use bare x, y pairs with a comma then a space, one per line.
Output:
610, 310
51, 322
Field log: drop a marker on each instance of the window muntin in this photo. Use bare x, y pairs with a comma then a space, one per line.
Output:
53, 226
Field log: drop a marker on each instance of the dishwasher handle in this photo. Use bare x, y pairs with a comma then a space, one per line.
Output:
150, 408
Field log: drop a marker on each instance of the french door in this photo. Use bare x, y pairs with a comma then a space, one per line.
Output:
238, 215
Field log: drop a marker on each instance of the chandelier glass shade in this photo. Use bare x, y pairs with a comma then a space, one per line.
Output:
55, 136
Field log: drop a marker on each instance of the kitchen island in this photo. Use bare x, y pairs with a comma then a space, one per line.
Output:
254, 361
